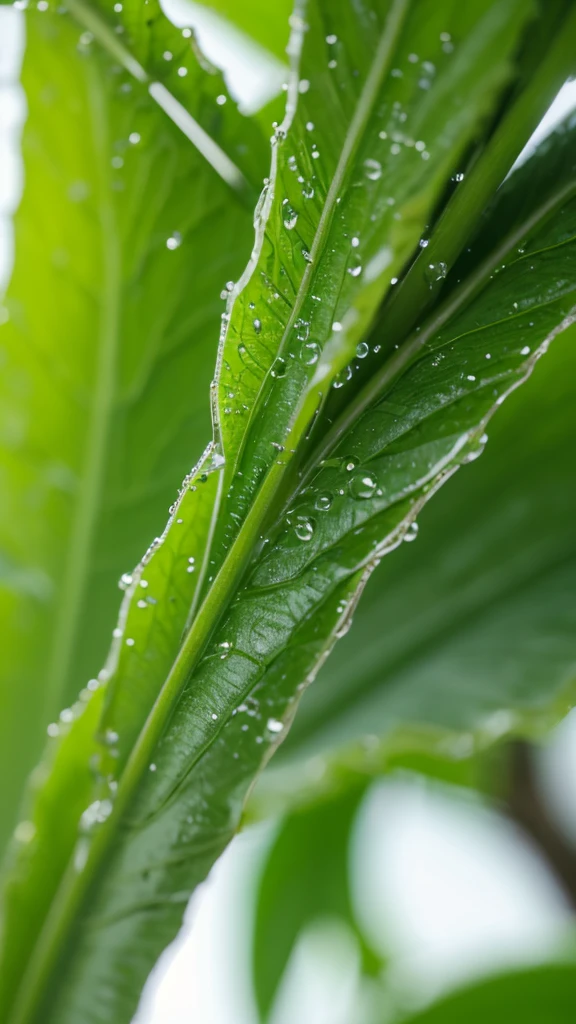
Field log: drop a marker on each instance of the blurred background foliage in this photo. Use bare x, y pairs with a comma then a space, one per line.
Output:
421, 758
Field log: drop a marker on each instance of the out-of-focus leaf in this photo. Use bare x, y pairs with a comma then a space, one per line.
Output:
542, 995
305, 878
108, 350
259, 569
262, 21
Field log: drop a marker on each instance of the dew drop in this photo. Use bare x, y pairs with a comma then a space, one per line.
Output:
257, 325
372, 169
174, 241
362, 349
323, 502
304, 528
289, 216
310, 353
278, 368
411, 533
435, 272
273, 725
363, 485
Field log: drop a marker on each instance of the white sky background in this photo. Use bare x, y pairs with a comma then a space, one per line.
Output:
441, 881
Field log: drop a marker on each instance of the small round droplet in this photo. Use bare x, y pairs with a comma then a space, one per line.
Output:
411, 533
323, 502
362, 485
278, 368
310, 353
304, 528
174, 241
257, 325
372, 169
362, 349
273, 725
435, 272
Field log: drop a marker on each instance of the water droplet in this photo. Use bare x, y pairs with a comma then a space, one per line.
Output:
363, 485
411, 533
310, 353
174, 241
273, 725
349, 463
125, 580
525, 351
372, 169
323, 502
435, 272
304, 528
152, 767
362, 349
289, 216
355, 271
278, 368
257, 325
331, 39
221, 100
134, 138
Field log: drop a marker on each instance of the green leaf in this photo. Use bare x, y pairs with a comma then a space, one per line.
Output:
270, 544
542, 995
305, 878
185, 85
108, 353
469, 631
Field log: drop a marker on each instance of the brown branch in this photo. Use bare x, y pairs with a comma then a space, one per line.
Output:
526, 807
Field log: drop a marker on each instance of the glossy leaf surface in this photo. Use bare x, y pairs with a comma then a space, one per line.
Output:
108, 346
259, 569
